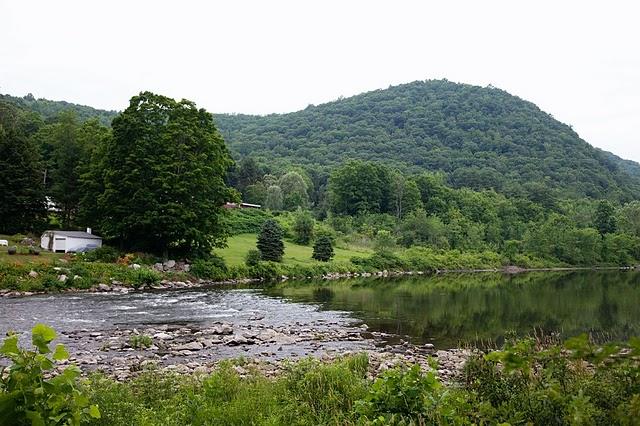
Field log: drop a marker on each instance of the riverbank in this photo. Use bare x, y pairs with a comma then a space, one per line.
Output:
59, 279
527, 381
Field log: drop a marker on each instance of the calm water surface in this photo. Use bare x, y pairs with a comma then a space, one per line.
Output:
482, 308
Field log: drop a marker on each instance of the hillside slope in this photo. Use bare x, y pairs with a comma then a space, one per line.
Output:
481, 137
51, 109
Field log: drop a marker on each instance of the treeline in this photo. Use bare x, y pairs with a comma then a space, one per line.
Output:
156, 181
374, 202
152, 182
51, 110
481, 138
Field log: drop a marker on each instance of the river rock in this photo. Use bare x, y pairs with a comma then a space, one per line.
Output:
104, 287
33, 274
134, 266
169, 264
238, 340
62, 278
162, 336
191, 346
222, 329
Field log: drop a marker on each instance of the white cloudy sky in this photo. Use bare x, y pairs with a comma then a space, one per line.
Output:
577, 60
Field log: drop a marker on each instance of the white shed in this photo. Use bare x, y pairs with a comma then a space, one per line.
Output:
70, 241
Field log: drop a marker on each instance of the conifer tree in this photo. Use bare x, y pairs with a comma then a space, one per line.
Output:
22, 200
323, 249
270, 241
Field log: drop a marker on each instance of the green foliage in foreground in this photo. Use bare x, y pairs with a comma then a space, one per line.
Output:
572, 384
527, 382
28, 397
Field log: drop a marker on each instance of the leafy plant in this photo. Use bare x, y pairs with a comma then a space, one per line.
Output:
27, 397
105, 254
399, 394
145, 276
140, 341
252, 258
212, 268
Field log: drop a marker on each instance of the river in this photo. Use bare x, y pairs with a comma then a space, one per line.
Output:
294, 319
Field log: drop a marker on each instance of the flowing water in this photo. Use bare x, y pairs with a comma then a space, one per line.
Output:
444, 310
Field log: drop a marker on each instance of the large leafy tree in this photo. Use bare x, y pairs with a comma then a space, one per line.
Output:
22, 200
605, 220
164, 172
303, 227
629, 218
360, 187
294, 191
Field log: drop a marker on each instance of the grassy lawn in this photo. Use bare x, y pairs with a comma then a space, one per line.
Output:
294, 254
45, 257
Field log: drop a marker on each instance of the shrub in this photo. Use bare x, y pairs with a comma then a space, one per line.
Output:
213, 268
105, 254
268, 271
380, 261
270, 241
398, 395
246, 221
303, 227
140, 341
252, 258
27, 397
145, 276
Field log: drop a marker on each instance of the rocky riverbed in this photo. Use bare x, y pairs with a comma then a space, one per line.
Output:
189, 349
192, 330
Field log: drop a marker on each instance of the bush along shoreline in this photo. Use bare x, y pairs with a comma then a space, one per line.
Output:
113, 273
527, 381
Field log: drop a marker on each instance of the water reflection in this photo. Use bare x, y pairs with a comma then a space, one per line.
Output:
451, 309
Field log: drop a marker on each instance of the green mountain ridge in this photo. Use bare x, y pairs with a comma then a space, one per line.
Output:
49, 110
481, 137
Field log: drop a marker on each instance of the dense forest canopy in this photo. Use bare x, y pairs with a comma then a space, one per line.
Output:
50, 110
157, 178
480, 137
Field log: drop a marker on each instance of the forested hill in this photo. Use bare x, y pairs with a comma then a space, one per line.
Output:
50, 110
482, 137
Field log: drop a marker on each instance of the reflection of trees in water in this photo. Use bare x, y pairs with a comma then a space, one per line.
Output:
322, 294
450, 309
607, 311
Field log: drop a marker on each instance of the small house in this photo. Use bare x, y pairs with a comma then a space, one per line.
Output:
242, 206
70, 241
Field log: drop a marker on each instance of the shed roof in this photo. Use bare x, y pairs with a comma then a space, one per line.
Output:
76, 234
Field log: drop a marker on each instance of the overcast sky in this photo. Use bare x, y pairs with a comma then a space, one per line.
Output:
579, 61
